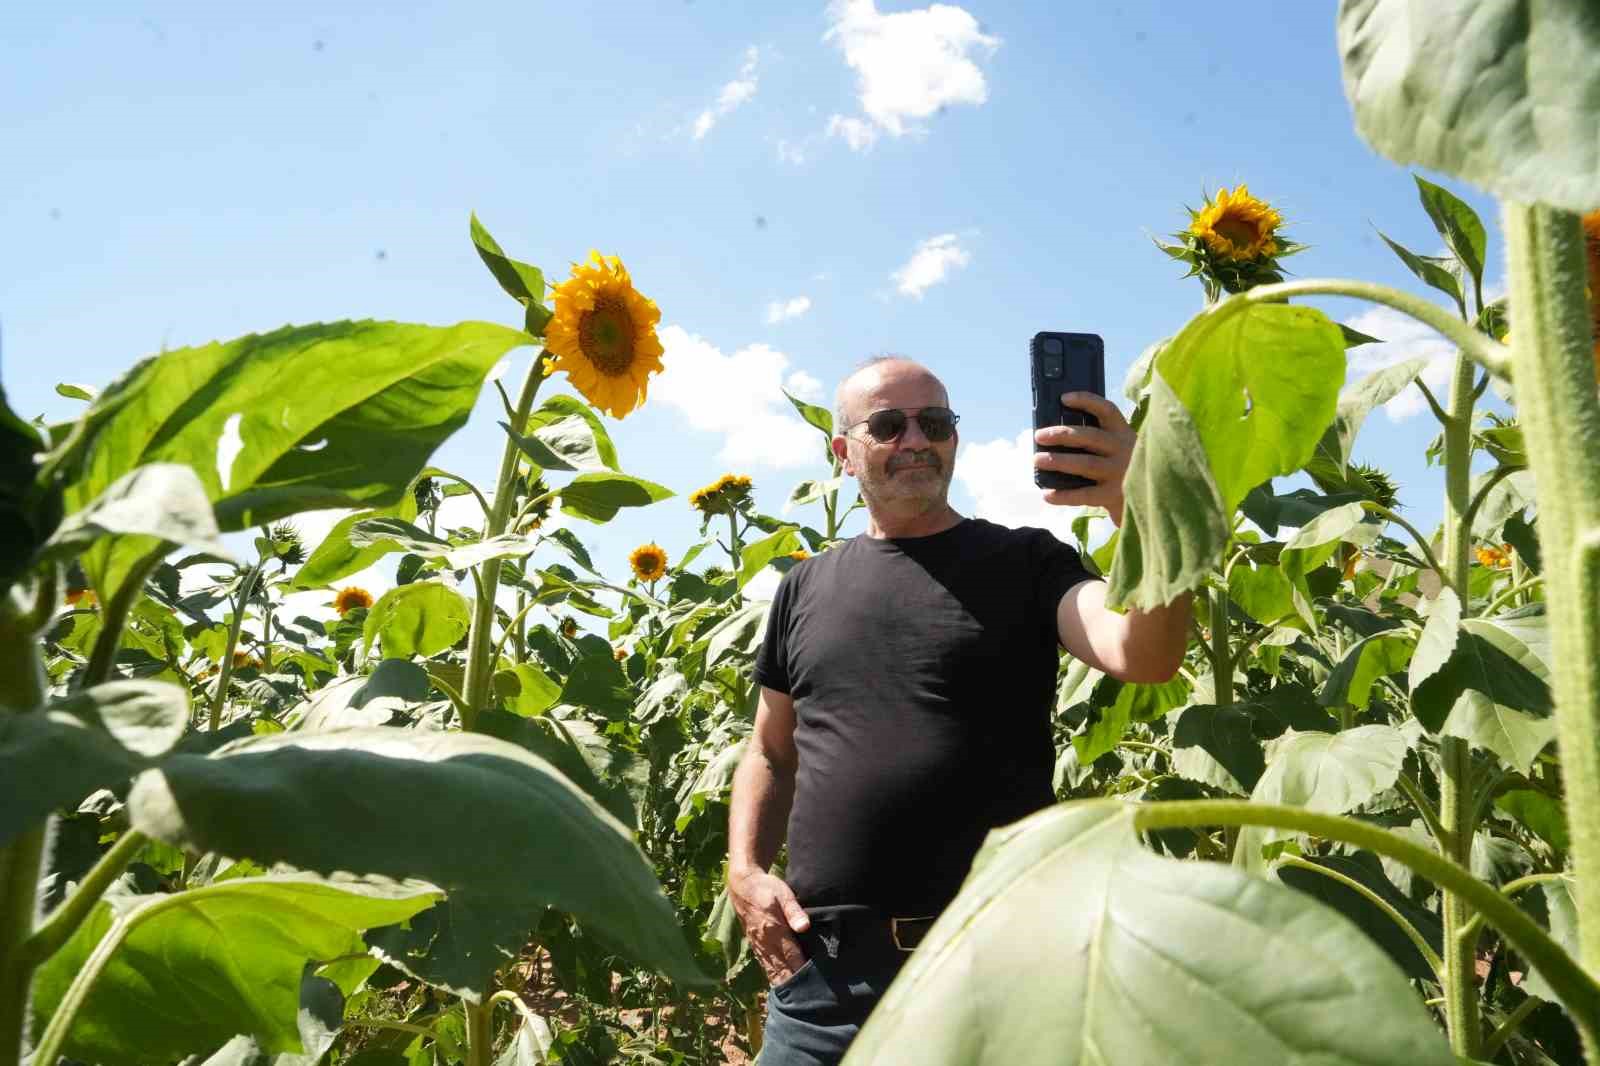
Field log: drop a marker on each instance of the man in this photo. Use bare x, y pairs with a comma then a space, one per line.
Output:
907, 681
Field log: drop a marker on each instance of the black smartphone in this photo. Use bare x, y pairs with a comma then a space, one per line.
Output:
1064, 362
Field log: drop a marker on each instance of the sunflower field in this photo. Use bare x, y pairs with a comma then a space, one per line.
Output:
1362, 825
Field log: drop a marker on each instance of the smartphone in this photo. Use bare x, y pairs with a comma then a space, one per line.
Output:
1064, 362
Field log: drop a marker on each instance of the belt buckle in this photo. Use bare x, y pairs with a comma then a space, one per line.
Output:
894, 931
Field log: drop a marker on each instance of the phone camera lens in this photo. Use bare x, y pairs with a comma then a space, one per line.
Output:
1053, 366
1052, 346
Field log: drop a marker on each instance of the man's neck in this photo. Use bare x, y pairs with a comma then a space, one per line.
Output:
886, 526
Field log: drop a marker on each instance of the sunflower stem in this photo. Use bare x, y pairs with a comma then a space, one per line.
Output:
480, 646
225, 669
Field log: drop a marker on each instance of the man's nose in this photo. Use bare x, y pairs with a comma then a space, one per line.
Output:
912, 438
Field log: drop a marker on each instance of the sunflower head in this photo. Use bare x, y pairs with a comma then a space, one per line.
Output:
619, 653
730, 492
538, 512
1379, 486
243, 660
350, 598
286, 545
603, 334
649, 562
1498, 558
569, 628
798, 554
1233, 242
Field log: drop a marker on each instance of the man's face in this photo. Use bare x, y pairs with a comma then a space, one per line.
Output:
907, 476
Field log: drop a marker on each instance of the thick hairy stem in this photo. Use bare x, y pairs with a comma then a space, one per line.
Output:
22, 689
1455, 782
1573, 985
480, 642
1559, 411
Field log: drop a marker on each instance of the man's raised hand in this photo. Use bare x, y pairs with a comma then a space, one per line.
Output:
771, 916
1108, 451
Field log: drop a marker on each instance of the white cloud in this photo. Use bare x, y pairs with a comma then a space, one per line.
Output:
909, 65
763, 586
803, 386
783, 310
736, 92
739, 396
933, 259
999, 475
1403, 338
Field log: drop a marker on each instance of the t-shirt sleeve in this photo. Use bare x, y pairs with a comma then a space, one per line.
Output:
1057, 568
772, 661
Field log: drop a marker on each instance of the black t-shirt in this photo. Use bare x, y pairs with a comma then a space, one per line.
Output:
923, 675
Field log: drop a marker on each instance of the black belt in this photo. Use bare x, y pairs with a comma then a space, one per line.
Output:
852, 928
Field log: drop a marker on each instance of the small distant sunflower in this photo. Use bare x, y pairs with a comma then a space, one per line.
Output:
569, 628
286, 544
350, 598
603, 334
84, 597
1498, 558
619, 653
1233, 242
728, 492
538, 512
649, 562
799, 554
243, 660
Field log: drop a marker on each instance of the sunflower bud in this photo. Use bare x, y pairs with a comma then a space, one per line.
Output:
1232, 243
730, 492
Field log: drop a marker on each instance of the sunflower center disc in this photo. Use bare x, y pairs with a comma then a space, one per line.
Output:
606, 336
1240, 234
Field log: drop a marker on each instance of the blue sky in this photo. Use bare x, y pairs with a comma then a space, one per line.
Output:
797, 186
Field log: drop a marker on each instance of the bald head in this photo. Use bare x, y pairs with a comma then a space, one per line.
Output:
876, 376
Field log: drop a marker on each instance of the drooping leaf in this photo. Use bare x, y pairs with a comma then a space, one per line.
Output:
1502, 95
1261, 383
355, 702
1175, 522
423, 618
50, 759
597, 682
535, 839
1429, 271
755, 557
1217, 746
820, 417
1140, 961
1264, 592
740, 632
1493, 692
1330, 773
165, 501
200, 966
1457, 223
341, 414
319, 1021
29, 511
598, 497
526, 690
565, 434
336, 557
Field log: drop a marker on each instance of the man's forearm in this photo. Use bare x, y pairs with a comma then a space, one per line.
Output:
758, 812
1157, 639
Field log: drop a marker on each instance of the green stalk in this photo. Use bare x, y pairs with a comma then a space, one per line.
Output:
225, 668
480, 1032
1416, 938
735, 550
480, 644
22, 690
1560, 417
114, 616
1576, 988
1508, 1028
1222, 664
59, 927
1455, 781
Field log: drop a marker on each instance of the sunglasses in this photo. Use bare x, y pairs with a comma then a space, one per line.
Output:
938, 424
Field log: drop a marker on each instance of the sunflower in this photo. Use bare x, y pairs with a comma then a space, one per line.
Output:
569, 628
350, 598
798, 554
649, 562
1498, 558
540, 511
1380, 487
603, 334
84, 597
619, 653
728, 492
1238, 226
243, 660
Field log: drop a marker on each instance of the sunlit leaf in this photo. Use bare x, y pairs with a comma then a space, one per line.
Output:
423, 618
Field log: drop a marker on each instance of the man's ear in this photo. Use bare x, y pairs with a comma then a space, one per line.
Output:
841, 452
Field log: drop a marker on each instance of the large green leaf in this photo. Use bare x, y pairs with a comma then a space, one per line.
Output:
1330, 773
321, 1017
502, 831
337, 557
1493, 692
598, 497
1143, 960
342, 414
1502, 93
1438, 640
755, 556
422, 618
1261, 383
1217, 746
1174, 522
1351, 681
566, 434
165, 501
95, 739
597, 682
200, 966
1365, 869
551, 740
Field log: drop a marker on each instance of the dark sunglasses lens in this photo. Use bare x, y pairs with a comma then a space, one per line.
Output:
886, 425
937, 423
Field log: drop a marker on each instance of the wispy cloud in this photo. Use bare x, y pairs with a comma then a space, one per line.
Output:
740, 397
930, 263
783, 310
736, 92
909, 65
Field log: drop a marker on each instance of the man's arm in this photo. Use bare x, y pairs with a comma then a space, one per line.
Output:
763, 790
1141, 646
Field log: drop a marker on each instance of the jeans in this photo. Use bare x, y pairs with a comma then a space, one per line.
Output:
814, 1015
